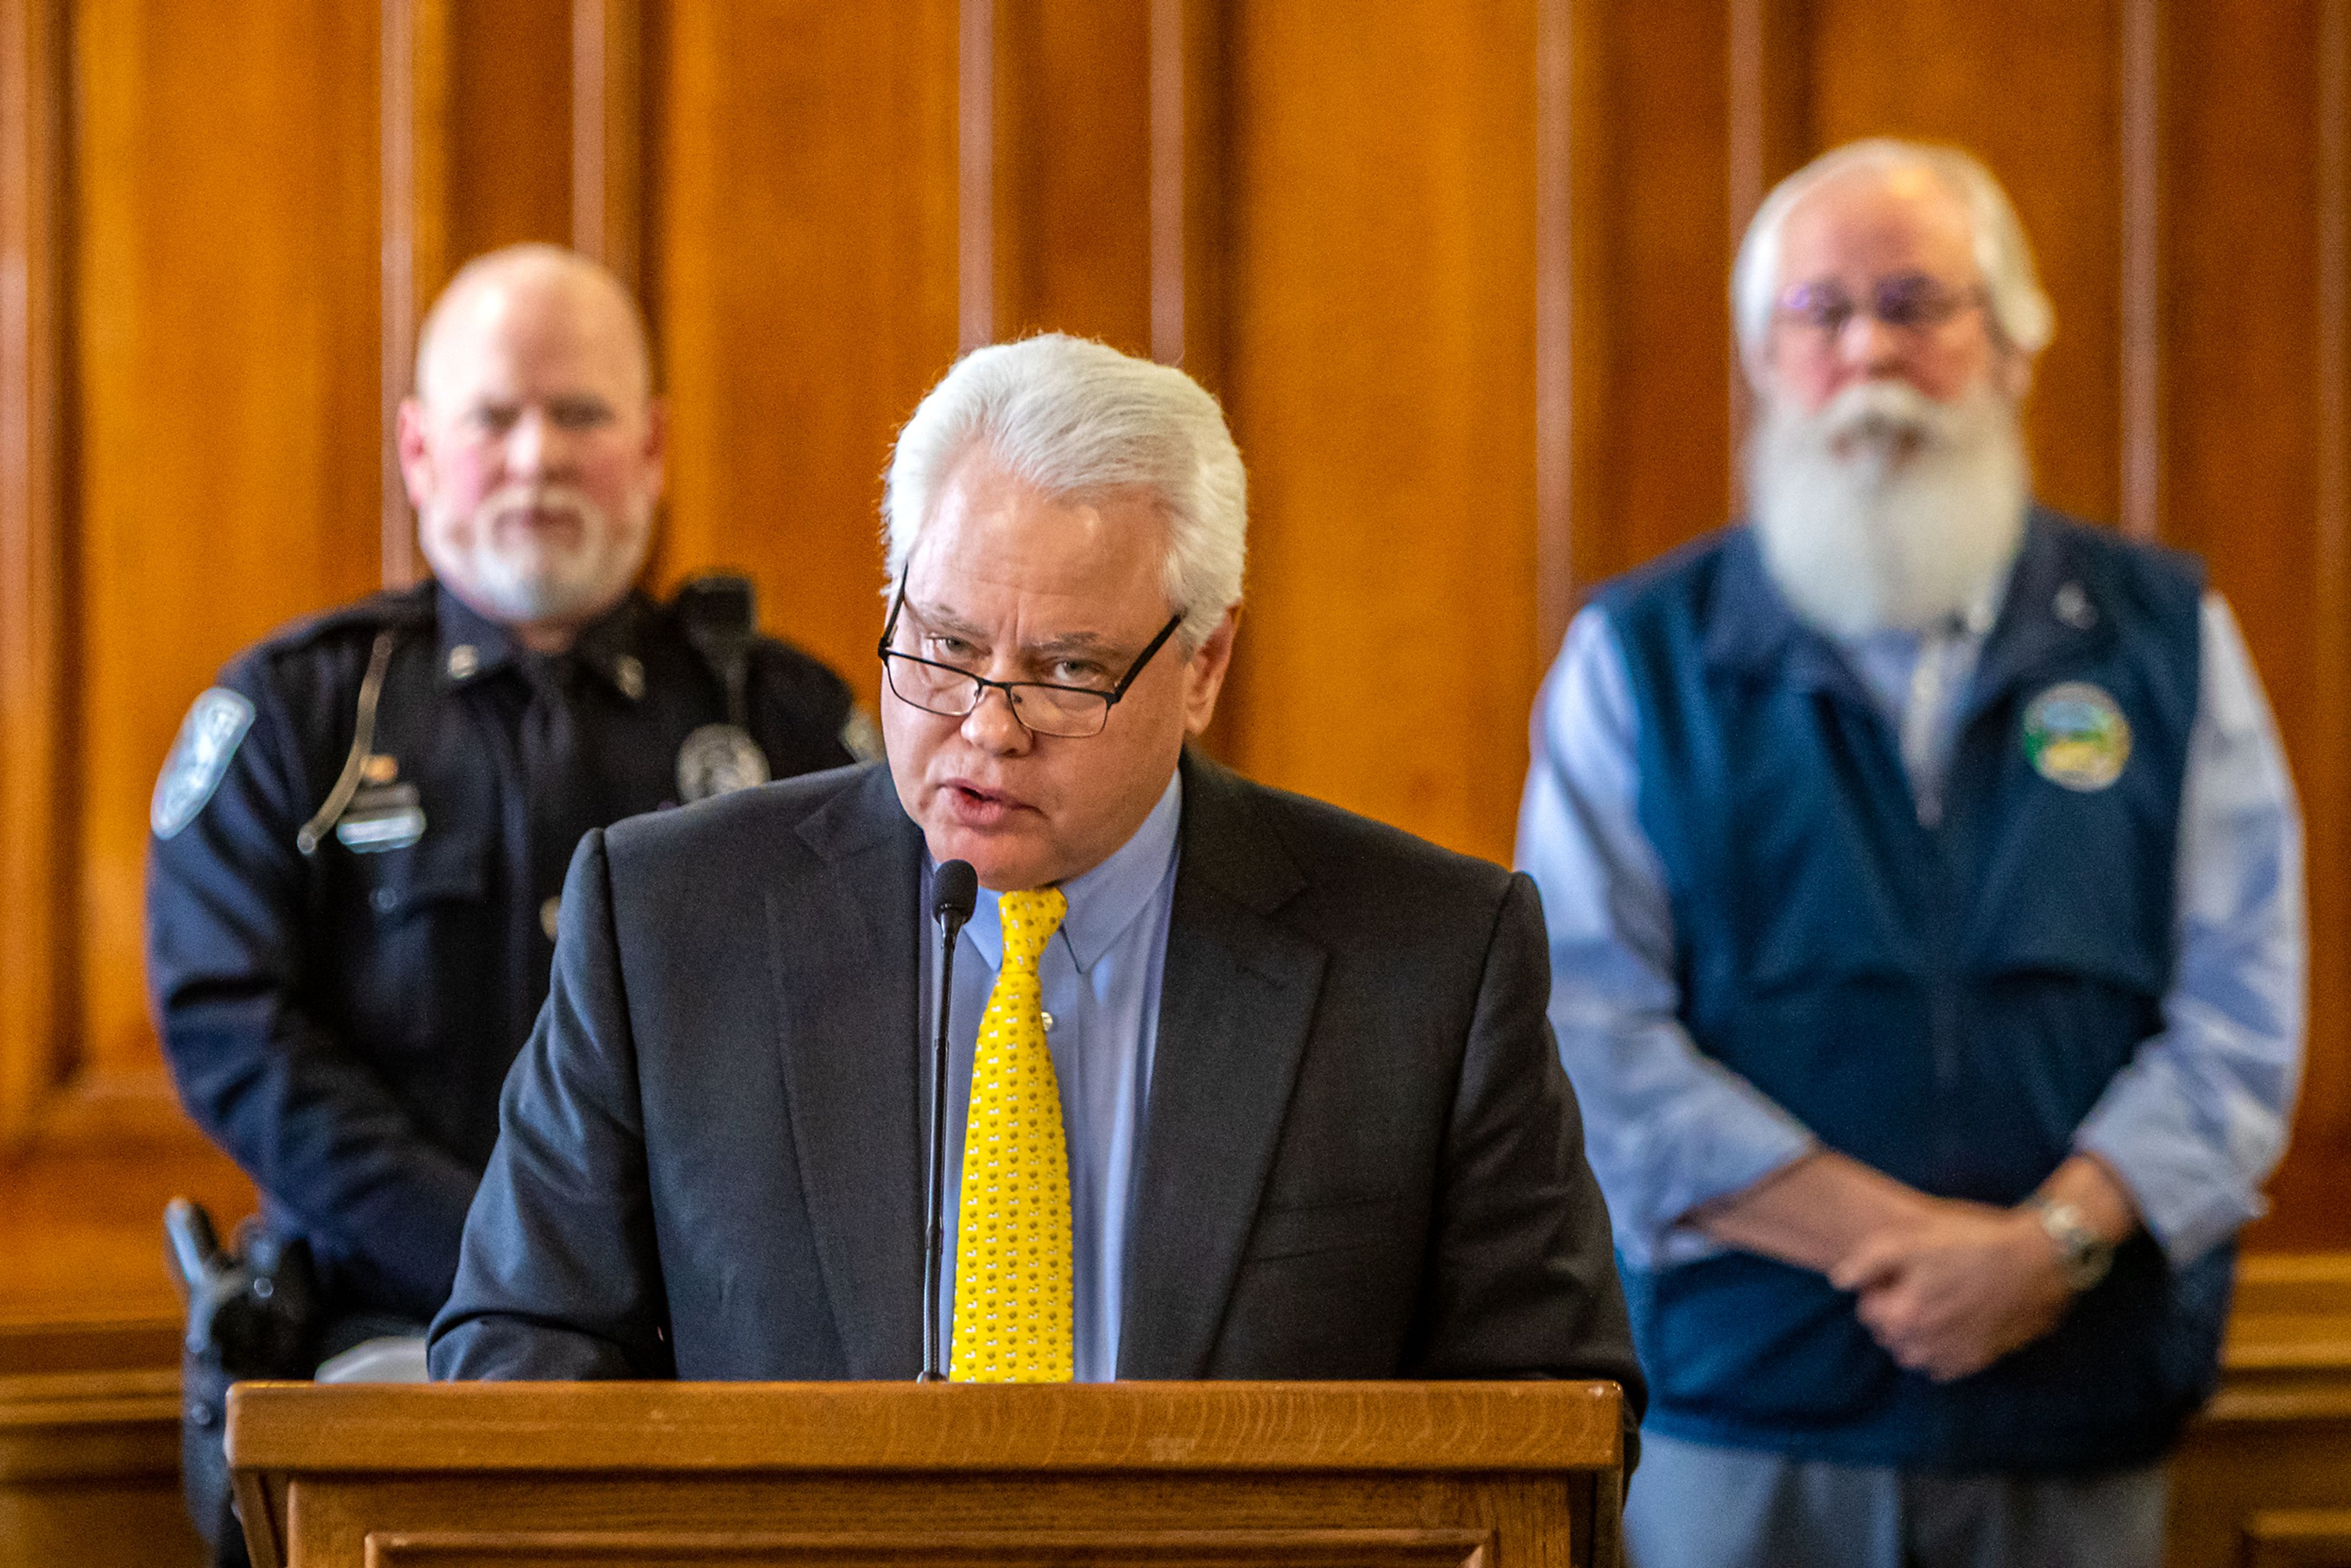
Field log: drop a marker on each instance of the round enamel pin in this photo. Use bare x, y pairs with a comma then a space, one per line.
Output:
2075, 735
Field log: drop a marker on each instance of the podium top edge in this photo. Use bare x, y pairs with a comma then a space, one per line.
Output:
584, 1427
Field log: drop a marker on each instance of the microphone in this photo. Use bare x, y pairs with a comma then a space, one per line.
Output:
955, 888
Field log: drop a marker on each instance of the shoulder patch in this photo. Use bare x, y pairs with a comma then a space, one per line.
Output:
216, 722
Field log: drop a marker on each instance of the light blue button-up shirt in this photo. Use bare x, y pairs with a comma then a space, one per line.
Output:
1101, 976
2193, 1126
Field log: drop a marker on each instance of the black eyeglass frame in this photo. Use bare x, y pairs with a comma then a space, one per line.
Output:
1011, 689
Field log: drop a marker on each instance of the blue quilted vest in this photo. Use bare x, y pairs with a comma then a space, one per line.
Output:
1944, 1004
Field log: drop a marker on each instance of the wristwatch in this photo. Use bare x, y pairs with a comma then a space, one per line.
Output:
2082, 1255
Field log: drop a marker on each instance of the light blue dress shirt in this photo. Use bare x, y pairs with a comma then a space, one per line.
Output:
1102, 976
2193, 1126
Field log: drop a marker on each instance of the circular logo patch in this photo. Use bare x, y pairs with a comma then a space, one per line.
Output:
2075, 735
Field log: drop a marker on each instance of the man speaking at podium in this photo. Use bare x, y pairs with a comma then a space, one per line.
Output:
1266, 1089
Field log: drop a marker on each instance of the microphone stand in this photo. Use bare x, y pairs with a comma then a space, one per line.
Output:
955, 888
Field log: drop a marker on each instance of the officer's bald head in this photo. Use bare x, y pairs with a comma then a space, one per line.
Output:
532, 450
541, 286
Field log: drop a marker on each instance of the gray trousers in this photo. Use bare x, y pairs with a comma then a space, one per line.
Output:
1691, 1505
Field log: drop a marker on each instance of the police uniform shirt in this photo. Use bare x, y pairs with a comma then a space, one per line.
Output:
341, 1020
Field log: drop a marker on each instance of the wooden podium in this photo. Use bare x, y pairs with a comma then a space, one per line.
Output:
856, 1475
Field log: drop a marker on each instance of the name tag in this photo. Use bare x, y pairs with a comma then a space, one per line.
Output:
387, 818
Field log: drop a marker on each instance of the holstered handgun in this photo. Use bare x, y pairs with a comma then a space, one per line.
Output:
251, 1312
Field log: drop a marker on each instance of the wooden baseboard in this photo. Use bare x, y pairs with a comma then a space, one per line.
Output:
89, 1447
2288, 1355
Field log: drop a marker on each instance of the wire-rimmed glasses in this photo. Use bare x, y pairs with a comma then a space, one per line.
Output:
1044, 707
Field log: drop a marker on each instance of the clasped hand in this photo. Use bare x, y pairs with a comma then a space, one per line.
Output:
1956, 1286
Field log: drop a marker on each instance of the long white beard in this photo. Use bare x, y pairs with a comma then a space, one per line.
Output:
1886, 509
533, 579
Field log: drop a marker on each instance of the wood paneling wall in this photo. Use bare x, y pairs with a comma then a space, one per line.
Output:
2248, 446
1379, 335
1459, 273
223, 412
806, 172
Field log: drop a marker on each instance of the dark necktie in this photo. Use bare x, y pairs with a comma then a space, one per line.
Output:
552, 774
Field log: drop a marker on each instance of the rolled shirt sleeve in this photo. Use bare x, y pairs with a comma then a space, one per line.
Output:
1667, 1128
2198, 1120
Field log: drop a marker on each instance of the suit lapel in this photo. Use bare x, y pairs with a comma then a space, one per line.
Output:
843, 960
1237, 999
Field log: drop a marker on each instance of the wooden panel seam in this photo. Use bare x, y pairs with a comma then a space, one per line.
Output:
2327, 788
2141, 352
976, 175
1556, 304
1584, 390
1167, 179
608, 135
35, 887
1205, 44
1768, 140
415, 162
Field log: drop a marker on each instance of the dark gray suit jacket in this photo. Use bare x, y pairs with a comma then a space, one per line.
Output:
1360, 1156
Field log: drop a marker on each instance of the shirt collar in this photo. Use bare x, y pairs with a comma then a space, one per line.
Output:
471, 645
1106, 899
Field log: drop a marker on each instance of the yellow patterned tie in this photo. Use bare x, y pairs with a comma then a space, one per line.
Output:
1012, 1228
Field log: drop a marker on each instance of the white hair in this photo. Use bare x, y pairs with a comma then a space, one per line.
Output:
1074, 418
2019, 310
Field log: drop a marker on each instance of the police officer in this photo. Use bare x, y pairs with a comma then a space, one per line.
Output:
361, 832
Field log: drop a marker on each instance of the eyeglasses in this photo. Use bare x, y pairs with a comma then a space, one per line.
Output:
1044, 707
1906, 302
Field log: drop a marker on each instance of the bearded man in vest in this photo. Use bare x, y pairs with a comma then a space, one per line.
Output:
1924, 887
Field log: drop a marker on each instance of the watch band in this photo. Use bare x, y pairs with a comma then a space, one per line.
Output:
2083, 1254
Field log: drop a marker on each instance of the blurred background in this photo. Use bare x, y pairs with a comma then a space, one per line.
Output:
1457, 269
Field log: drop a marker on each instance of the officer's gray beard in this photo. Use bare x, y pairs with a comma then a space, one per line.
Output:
530, 579
1887, 509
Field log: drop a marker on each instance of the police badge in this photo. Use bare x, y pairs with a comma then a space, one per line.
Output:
718, 759
216, 722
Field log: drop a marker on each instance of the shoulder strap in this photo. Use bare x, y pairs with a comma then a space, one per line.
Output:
720, 614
